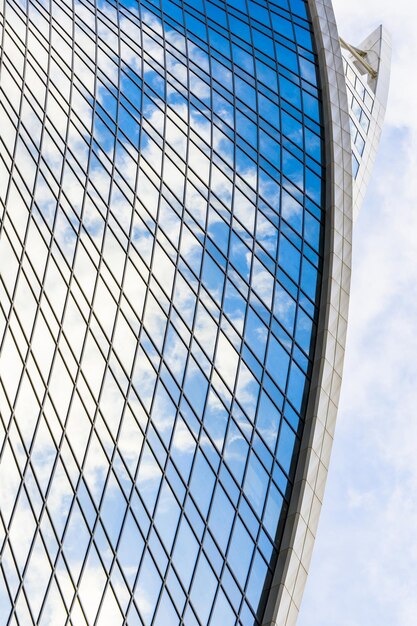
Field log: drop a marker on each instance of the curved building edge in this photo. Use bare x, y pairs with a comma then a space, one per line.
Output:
294, 558
376, 49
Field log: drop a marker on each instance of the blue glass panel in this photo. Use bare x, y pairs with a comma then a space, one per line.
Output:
167, 185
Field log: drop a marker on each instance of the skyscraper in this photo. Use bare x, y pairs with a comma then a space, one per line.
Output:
176, 208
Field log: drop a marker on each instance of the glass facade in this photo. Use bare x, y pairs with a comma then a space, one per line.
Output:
361, 100
161, 203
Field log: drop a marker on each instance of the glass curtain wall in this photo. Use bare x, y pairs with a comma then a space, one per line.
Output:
161, 185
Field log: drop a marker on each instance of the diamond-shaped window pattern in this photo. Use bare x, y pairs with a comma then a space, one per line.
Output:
160, 255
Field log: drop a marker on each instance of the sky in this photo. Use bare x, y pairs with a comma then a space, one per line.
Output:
364, 567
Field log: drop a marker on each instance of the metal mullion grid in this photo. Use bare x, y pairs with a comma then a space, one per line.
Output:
252, 451
273, 558
213, 83
155, 561
235, 284
238, 486
250, 442
290, 143
290, 280
281, 183
97, 342
188, 357
126, 139
163, 15
6, 441
145, 437
19, 113
219, 156
74, 279
208, 436
212, 536
125, 36
111, 461
79, 372
266, 125
76, 51
23, 485
192, 37
107, 572
48, 301
25, 365
183, 514
25, 253
159, 381
178, 501
31, 147
18, 8
4, 296
188, 601
301, 155
264, 390
103, 447
131, 109
21, 578
75, 231
133, 14
163, 478
86, 61
26, 230
307, 85
40, 8
21, 586
60, 551
313, 125
256, 548
146, 548
181, 504
61, 555
274, 290
279, 323
171, 78
115, 550
99, 438
6, 584
302, 257
205, 252
7, 165
31, 60
52, 473
45, 545
11, 234
186, 223
46, 170
208, 295
7, 62
59, 29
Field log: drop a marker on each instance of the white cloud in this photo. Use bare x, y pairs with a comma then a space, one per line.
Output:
356, 19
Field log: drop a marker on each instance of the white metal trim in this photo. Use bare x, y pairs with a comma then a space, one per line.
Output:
300, 528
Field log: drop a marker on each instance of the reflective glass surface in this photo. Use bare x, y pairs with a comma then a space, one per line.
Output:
361, 100
160, 254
